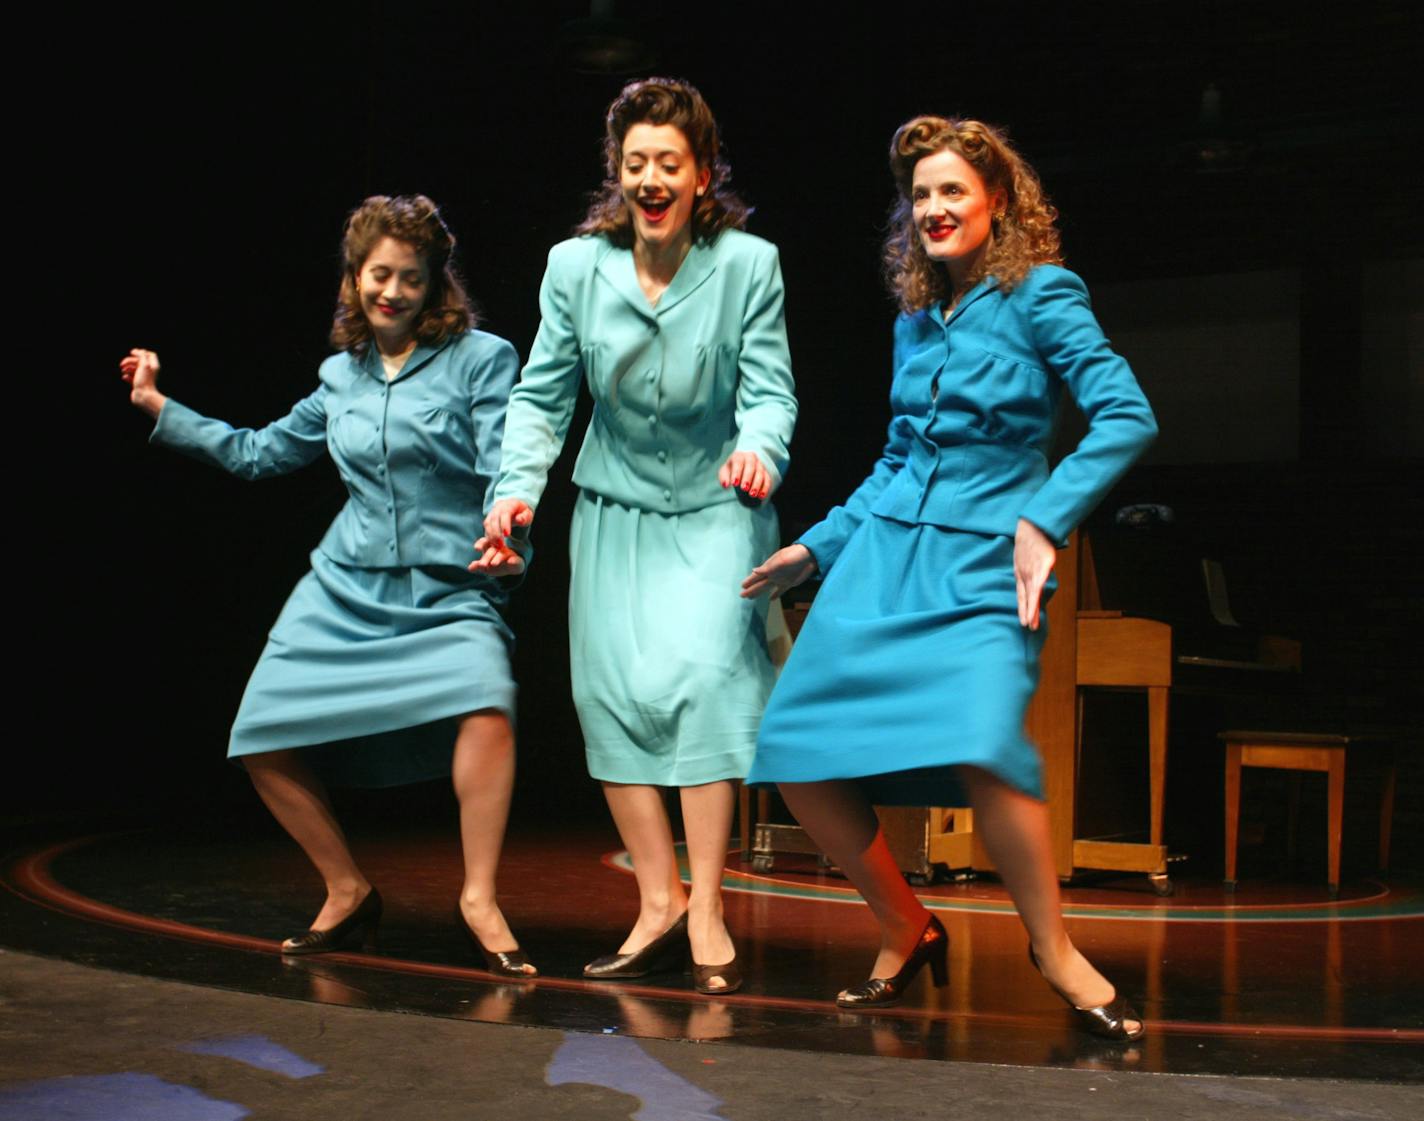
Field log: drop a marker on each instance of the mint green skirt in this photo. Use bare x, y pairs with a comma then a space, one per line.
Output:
669, 664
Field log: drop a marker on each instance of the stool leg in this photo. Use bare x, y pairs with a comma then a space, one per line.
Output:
1337, 816
1233, 809
1293, 781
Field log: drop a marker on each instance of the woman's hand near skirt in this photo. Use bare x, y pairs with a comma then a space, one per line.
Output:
1034, 557
780, 572
496, 557
744, 471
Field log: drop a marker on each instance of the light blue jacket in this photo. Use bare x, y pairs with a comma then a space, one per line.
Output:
676, 388
418, 454
975, 404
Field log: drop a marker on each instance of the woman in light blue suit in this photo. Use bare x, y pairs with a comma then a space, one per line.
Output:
910, 680
673, 317
388, 649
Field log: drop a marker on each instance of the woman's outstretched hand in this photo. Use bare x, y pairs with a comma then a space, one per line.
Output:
783, 570
140, 370
1034, 557
744, 471
496, 558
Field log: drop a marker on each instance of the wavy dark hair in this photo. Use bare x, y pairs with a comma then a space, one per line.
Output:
664, 101
415, 220
1022, 236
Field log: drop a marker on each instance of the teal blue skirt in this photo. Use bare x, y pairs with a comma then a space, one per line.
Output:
669, 664
911, 663
366, 668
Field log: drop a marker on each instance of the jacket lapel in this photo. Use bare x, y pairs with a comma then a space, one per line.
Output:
616, 269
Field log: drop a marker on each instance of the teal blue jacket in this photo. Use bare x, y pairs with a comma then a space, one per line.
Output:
975, 403
418, 454
676, 388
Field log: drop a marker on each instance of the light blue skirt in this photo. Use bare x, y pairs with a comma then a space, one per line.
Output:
669, 664
365, 667
912, 662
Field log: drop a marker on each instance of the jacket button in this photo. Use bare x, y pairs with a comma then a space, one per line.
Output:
667, 494
662, 457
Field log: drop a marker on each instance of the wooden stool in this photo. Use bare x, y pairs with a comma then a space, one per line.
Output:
1301, 751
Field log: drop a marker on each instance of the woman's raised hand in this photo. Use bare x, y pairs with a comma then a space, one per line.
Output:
1034, 557
783, 570
140, 370
744, 471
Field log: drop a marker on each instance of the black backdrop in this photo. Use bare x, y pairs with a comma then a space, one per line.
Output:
195, 170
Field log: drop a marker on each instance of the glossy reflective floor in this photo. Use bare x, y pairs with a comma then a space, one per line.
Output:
1277, 980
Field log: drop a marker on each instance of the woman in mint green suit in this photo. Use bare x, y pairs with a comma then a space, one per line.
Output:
673, 317
910, 680
388, 649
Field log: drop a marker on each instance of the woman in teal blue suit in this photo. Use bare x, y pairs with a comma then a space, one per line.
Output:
673, 316
388, 633
910, 679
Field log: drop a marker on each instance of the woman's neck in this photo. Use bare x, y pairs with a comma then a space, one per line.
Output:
657, 265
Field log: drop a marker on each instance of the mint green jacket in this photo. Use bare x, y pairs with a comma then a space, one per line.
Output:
676, 388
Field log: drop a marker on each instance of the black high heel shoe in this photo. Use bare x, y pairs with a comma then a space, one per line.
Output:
362, 923
666, 951
729, 975
883, 992
505, 963
1106, 1021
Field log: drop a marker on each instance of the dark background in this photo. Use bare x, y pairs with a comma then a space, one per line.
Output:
203, 163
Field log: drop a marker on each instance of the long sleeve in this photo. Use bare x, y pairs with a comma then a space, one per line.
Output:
1120, 421
828, 537
766, 392
541, 407
281, 447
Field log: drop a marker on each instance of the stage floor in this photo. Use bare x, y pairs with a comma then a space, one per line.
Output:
1277, 980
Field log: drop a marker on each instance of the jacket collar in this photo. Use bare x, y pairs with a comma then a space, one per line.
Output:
370, 362
617, 268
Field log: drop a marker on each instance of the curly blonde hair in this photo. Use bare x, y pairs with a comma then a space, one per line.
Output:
664, 101
415, 220
1023, 236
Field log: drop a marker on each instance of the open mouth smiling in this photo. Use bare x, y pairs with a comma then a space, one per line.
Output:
654, 208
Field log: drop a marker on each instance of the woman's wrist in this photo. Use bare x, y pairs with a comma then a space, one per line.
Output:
149, 400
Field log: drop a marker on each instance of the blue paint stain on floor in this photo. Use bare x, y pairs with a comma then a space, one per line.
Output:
112, 1097
620, 1064
256, 1051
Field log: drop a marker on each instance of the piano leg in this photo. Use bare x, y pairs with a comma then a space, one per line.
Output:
1157, 711
1233, 809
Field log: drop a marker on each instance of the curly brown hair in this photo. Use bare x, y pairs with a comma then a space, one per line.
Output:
415, 220
1023, 236
664, 101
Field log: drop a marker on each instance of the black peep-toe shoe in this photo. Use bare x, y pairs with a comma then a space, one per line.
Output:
360, 925
505, 963
882, 992
1106, 1021
729, 975
666, 951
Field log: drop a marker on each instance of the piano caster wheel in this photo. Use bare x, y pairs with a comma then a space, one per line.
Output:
1161, 883
761, 864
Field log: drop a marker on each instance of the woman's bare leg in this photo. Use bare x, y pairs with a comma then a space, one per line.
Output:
299, 802
483, 776
707, 821
844, 826
1015, 831
643, 825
